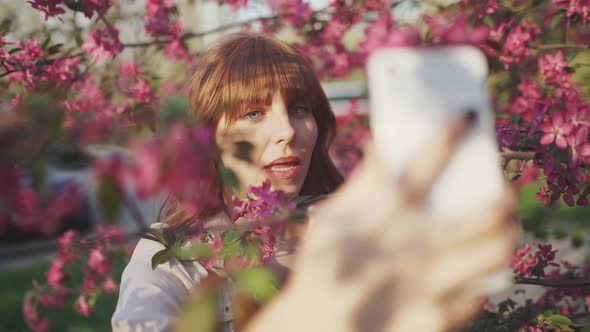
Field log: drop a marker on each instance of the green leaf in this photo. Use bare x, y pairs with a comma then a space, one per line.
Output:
161, 257
199, 313
229, 237
302, 199
577, 238
229, 178
110, 198
560, 319
231, 243
14, 50
157, 235
54, 48
488, 20
173, 107
515, 118
258, 282
556, 18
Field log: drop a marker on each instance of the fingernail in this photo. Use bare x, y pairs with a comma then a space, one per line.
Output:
470, 116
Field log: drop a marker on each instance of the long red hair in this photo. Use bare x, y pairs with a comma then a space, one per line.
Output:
246, 69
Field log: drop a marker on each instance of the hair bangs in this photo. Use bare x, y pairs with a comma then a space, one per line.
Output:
254, 73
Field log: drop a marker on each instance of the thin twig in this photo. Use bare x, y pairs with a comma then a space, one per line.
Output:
509, 155
554, 283
563, 45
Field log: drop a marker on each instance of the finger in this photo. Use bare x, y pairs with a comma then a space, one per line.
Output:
422, 315
459, 308
456, 268
416, 181
477, 224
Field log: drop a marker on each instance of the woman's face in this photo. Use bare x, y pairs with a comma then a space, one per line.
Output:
269, 142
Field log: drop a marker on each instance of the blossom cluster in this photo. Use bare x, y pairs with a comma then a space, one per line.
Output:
95, 255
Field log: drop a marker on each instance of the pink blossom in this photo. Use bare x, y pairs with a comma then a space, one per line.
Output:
579, 146
56, 299
457, 32
236, 4
48, 7
31, 317
98, 7
176, 50
129, 69
333, 31
103, 44
527, 263
63, 71
552, 69
97, 261
556, 130
55, 273
89, 283
157, 18
261, 202
516, 45
147, 170
30, 52
575, 7
109, 286
543, 195
82, 306
142, 92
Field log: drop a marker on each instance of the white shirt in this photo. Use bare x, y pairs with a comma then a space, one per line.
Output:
149, 300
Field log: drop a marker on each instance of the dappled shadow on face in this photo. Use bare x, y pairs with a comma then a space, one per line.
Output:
243, 151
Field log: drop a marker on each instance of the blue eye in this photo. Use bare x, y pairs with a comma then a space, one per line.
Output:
253, 115
299, 110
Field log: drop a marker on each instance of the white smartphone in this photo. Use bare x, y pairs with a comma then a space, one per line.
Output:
413, 93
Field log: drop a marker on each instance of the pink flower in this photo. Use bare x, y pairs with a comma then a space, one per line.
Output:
552, 69
103, 44
48, 7
579, 146
575, 7
142, 92
556, 130
31, 317
82, 306
97, 261
543, 195
147, 174
457, 32
516, 45
109, 286
376, 33
98, 7
56, 299
89, 283
157, 18
55, 274
176, 50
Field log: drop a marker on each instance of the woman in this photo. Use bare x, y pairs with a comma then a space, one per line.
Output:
273, 121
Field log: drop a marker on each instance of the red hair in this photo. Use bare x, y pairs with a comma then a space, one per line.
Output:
247, 69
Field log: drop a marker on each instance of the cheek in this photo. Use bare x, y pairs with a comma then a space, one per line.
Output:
309, 134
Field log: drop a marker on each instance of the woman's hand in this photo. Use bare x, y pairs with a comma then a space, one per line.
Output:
374, 260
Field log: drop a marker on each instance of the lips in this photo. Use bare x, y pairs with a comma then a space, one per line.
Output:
284, 167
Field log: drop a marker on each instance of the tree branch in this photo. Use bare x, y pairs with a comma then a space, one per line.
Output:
189, 35
8, 72
564, 45
509, 155
554, 283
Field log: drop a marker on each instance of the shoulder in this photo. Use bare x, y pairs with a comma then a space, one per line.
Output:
149, 298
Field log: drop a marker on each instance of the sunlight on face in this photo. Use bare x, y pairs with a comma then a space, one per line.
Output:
269, 142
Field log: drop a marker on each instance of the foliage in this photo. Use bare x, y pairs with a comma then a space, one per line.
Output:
87, 90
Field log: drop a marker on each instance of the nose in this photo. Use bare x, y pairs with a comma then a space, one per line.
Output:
284, 131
